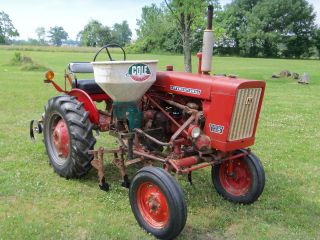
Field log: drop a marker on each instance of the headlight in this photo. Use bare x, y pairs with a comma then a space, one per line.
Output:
195, 132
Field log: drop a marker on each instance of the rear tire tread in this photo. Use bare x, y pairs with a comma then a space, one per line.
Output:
80, 132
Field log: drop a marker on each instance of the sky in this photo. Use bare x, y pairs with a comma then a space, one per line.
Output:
73, 15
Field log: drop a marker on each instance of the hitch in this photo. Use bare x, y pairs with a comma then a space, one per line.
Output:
35, 126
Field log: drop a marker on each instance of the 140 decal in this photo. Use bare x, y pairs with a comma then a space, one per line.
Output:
216, 128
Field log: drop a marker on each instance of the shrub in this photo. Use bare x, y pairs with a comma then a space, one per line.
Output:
26, 63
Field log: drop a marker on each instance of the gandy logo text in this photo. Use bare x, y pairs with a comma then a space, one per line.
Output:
139, 72
186, 90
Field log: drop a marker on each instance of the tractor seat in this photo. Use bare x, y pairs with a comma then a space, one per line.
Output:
88, 85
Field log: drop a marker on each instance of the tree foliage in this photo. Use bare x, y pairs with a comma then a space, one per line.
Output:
57, 34
95, 34
176, 26
188, 15
265, 28
317, 40
7, 30
269, 28
156, 31
121, 33
41, 34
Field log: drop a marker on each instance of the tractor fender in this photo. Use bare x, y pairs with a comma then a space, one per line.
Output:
88, 104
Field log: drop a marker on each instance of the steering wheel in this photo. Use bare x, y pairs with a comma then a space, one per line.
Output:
109, 55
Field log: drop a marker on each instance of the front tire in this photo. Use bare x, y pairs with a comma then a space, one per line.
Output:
158, 203
243, 182
68, 136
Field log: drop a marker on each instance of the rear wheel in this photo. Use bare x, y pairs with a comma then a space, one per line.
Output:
158, 203
68, 136
240, 180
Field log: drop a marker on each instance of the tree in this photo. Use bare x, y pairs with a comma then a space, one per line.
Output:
57, 34
95, 34
299, 32
234, 20
188, 15
7, 30
270, 27
159, 30
317, 40
286, 22
156, 31
263, 29
121, 33
41, 33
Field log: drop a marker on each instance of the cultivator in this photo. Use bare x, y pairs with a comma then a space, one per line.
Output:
179, 121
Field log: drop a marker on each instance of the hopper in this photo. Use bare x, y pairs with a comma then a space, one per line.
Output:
125, 81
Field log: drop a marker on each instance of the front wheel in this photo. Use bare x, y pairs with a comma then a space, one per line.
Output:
158, 203
240, 180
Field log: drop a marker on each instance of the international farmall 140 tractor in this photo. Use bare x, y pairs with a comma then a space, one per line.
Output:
167, 122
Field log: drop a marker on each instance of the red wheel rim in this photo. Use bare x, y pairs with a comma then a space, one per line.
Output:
60, 138
153, 205
235, 177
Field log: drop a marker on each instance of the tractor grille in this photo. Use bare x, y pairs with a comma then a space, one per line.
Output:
244, 113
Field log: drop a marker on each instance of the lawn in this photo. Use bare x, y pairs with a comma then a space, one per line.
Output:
35, 203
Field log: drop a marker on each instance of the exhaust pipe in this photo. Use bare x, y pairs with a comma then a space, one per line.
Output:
207, 47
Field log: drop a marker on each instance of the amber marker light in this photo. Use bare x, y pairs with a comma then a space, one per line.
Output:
49, 75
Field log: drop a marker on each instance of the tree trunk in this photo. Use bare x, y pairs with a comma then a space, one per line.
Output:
185, 20
187, 51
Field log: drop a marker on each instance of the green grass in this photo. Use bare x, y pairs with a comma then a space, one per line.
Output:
35, 203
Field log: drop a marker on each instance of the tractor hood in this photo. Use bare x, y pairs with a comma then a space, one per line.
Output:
201, 86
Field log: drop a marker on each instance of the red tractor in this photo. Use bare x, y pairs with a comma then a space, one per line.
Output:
169, 122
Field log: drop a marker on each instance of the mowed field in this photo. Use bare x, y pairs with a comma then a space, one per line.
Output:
35, 203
